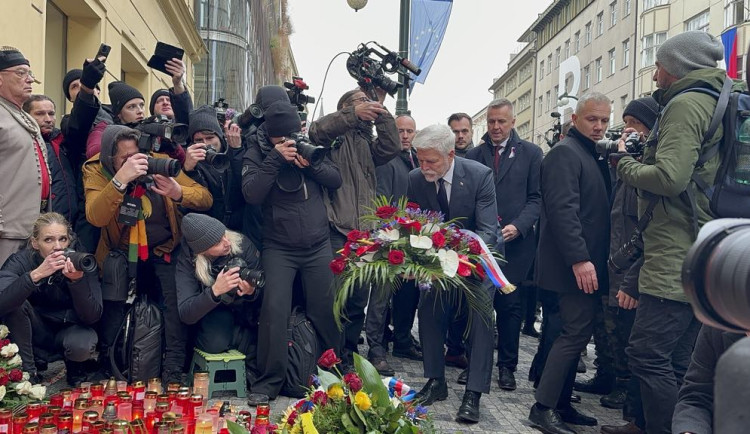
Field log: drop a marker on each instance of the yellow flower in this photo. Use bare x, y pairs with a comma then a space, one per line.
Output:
307, 423
362, 401
336, 391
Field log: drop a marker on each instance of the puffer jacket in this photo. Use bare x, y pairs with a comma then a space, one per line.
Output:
668, 163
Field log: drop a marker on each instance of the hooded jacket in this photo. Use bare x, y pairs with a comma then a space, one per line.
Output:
668, 163
103, 202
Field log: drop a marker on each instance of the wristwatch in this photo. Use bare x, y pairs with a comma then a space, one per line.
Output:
119, 185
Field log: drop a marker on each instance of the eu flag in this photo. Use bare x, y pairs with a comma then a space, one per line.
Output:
429, 19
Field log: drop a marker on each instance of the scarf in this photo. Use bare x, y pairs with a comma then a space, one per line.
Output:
138, 242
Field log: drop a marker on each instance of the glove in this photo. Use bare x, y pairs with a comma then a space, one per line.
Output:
93, 72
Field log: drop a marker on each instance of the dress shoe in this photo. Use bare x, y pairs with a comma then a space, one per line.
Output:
383, 368
574, 397
506, 380
630, 428
548, 421
436, 389
468, 412
600, 384
581, 367
416, 343
530, 331
407, 353
254, 399
463, 377
575, 417
460, 362
616, 399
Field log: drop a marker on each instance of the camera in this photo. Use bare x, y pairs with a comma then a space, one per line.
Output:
159, 132
218, 160
312, 153
296, 87
633, 145
368, 66
716, 275
556, 130
163, 166
621, 260
255, 278
221, 107
85, 262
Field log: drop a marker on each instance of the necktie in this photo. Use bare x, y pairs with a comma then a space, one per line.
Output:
411, 159
498, 157
442, 198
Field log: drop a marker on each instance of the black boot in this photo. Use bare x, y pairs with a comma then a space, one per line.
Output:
616, 399
601, 384
436, 389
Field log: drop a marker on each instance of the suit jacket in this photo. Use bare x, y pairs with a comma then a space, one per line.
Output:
472, 197
518, 197
393, 177
575, 214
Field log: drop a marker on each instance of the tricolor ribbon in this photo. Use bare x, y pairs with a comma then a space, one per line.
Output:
397, 389
492, 270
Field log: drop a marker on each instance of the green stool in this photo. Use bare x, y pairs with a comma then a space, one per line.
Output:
232, 360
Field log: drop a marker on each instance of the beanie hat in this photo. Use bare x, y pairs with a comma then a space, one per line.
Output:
268, 95
120, 93
345, 97
71, 76
282, 119
204, 119
10, 57
644, 109
154, 97
201, 232
108, 150
689, 51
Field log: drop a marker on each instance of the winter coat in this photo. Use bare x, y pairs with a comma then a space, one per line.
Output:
393, 177
356, 155
55, 298
668, 163
624, 219
64, 187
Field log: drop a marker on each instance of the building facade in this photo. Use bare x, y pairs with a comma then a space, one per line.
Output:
58, 35
517, 84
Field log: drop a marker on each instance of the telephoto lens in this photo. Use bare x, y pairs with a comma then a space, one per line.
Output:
217, 160
163, 166
308, 151
85, 262
716, 275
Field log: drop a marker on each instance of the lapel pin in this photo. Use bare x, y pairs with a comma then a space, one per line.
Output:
512, 152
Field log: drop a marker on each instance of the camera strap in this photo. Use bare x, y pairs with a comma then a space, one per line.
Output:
647, 215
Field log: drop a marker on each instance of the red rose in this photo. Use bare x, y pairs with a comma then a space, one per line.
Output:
292, 418
386, 212
355, 235
4, 342
373, 247
480, 271
338, 265
412, 205
455, 241
438, 239
328, 359
320, 397
15, 375
4, 380
474, 247
353, 381
396, 257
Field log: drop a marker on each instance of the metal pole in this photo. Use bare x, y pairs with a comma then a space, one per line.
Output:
402, 105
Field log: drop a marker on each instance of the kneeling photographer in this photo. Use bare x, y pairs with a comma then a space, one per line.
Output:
214, 160
287, 178
219, 283
50, 297
132, 193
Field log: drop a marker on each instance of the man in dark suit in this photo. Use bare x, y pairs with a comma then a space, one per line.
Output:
461, 189
515, 165
572, 255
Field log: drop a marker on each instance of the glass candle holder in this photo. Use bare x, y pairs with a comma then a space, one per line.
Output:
125, 411
154, 385
64, 422
139, 391
138, 411
204, 424
97, 390
31, 428
149, 401
6, 420
81, 405
48, 428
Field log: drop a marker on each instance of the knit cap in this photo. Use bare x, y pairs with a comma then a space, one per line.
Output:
282, 119
10, 57
204, 119
201, 232
689, 51
644, 109
120, 93
71, 76
154, 97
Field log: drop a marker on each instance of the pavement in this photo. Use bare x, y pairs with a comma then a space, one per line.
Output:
501, 411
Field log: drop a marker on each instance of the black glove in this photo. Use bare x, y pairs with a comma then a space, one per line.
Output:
93, 72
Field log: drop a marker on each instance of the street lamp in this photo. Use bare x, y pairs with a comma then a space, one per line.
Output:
357, 4
564, 99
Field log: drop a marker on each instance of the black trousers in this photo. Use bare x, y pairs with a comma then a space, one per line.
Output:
436, 311
661, 344
454, 341
405, 302
280, 266
508, 310
219, 331
577, 312
40, 338
551, 329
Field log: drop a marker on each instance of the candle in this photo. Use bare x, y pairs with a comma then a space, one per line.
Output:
45, 419
150, 421
177, 429
200, 383
139, 391
89, 417
31, 428
6, 420
204, 424
97, 427
137, 411
111, 387
56, 400
173, 387
161, 428
80, 406
196, 406
48, 429
19, 421
181, 403
34, 409
67, 395
97, 390
154, 385
124, 397
120, 426
125, 411
64, 422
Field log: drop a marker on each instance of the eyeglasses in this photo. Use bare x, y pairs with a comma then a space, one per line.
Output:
360, 99
23, 74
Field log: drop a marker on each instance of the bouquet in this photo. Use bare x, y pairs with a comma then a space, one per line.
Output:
15, 388
410, 243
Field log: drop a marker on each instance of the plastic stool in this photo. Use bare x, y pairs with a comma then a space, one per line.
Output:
232, 360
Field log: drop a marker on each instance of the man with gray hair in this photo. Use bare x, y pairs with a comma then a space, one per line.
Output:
464, 190
572, 255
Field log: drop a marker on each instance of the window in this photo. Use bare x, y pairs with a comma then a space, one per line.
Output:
587, 37
557, 92
577, 45
541, 69
524, 102
525, 72
541, 106
524, 130
566, 53
612, 14
557, 58
549, 100
648, 4
598, 69
734, 12
549, 63
698, 22
626, 8
651, 43
510, 85
612, 61
600, 24
586, 76
626, 53
624, 101
740, 66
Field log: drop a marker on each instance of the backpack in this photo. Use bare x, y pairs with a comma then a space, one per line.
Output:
302, 342
137, 352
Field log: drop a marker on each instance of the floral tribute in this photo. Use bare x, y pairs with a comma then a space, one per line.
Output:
15, 388
410, 243
358, 402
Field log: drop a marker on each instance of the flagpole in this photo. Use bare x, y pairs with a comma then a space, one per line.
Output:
402, 105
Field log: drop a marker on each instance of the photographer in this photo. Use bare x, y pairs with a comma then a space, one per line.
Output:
214, 160
295, 240
204, 288
174, 103
48, 304
114, 184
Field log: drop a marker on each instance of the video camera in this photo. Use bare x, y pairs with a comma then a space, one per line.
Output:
296, 97
556, 130
153, 129
256, 278
368, 66
221, 107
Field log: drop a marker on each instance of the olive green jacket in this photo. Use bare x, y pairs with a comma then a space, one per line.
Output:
668, 163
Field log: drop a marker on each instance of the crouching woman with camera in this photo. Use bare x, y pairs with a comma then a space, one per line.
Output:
49, 302
219, 282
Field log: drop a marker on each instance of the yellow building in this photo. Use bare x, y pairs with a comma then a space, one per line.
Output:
57, 35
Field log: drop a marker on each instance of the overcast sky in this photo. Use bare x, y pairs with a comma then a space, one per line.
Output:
481, 35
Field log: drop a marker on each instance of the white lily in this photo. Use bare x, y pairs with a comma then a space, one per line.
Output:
448, 261
4, 332
420, 242
431, 228
9, 350
368, 257
389, 235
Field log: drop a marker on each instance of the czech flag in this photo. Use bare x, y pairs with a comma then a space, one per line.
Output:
729, 39
492, 270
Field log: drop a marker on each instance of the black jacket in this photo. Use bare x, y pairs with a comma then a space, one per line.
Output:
65, 184
194, 300
575, 214
291, 219
519, 198
55, 298
624, 219
87, 110
393, 177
